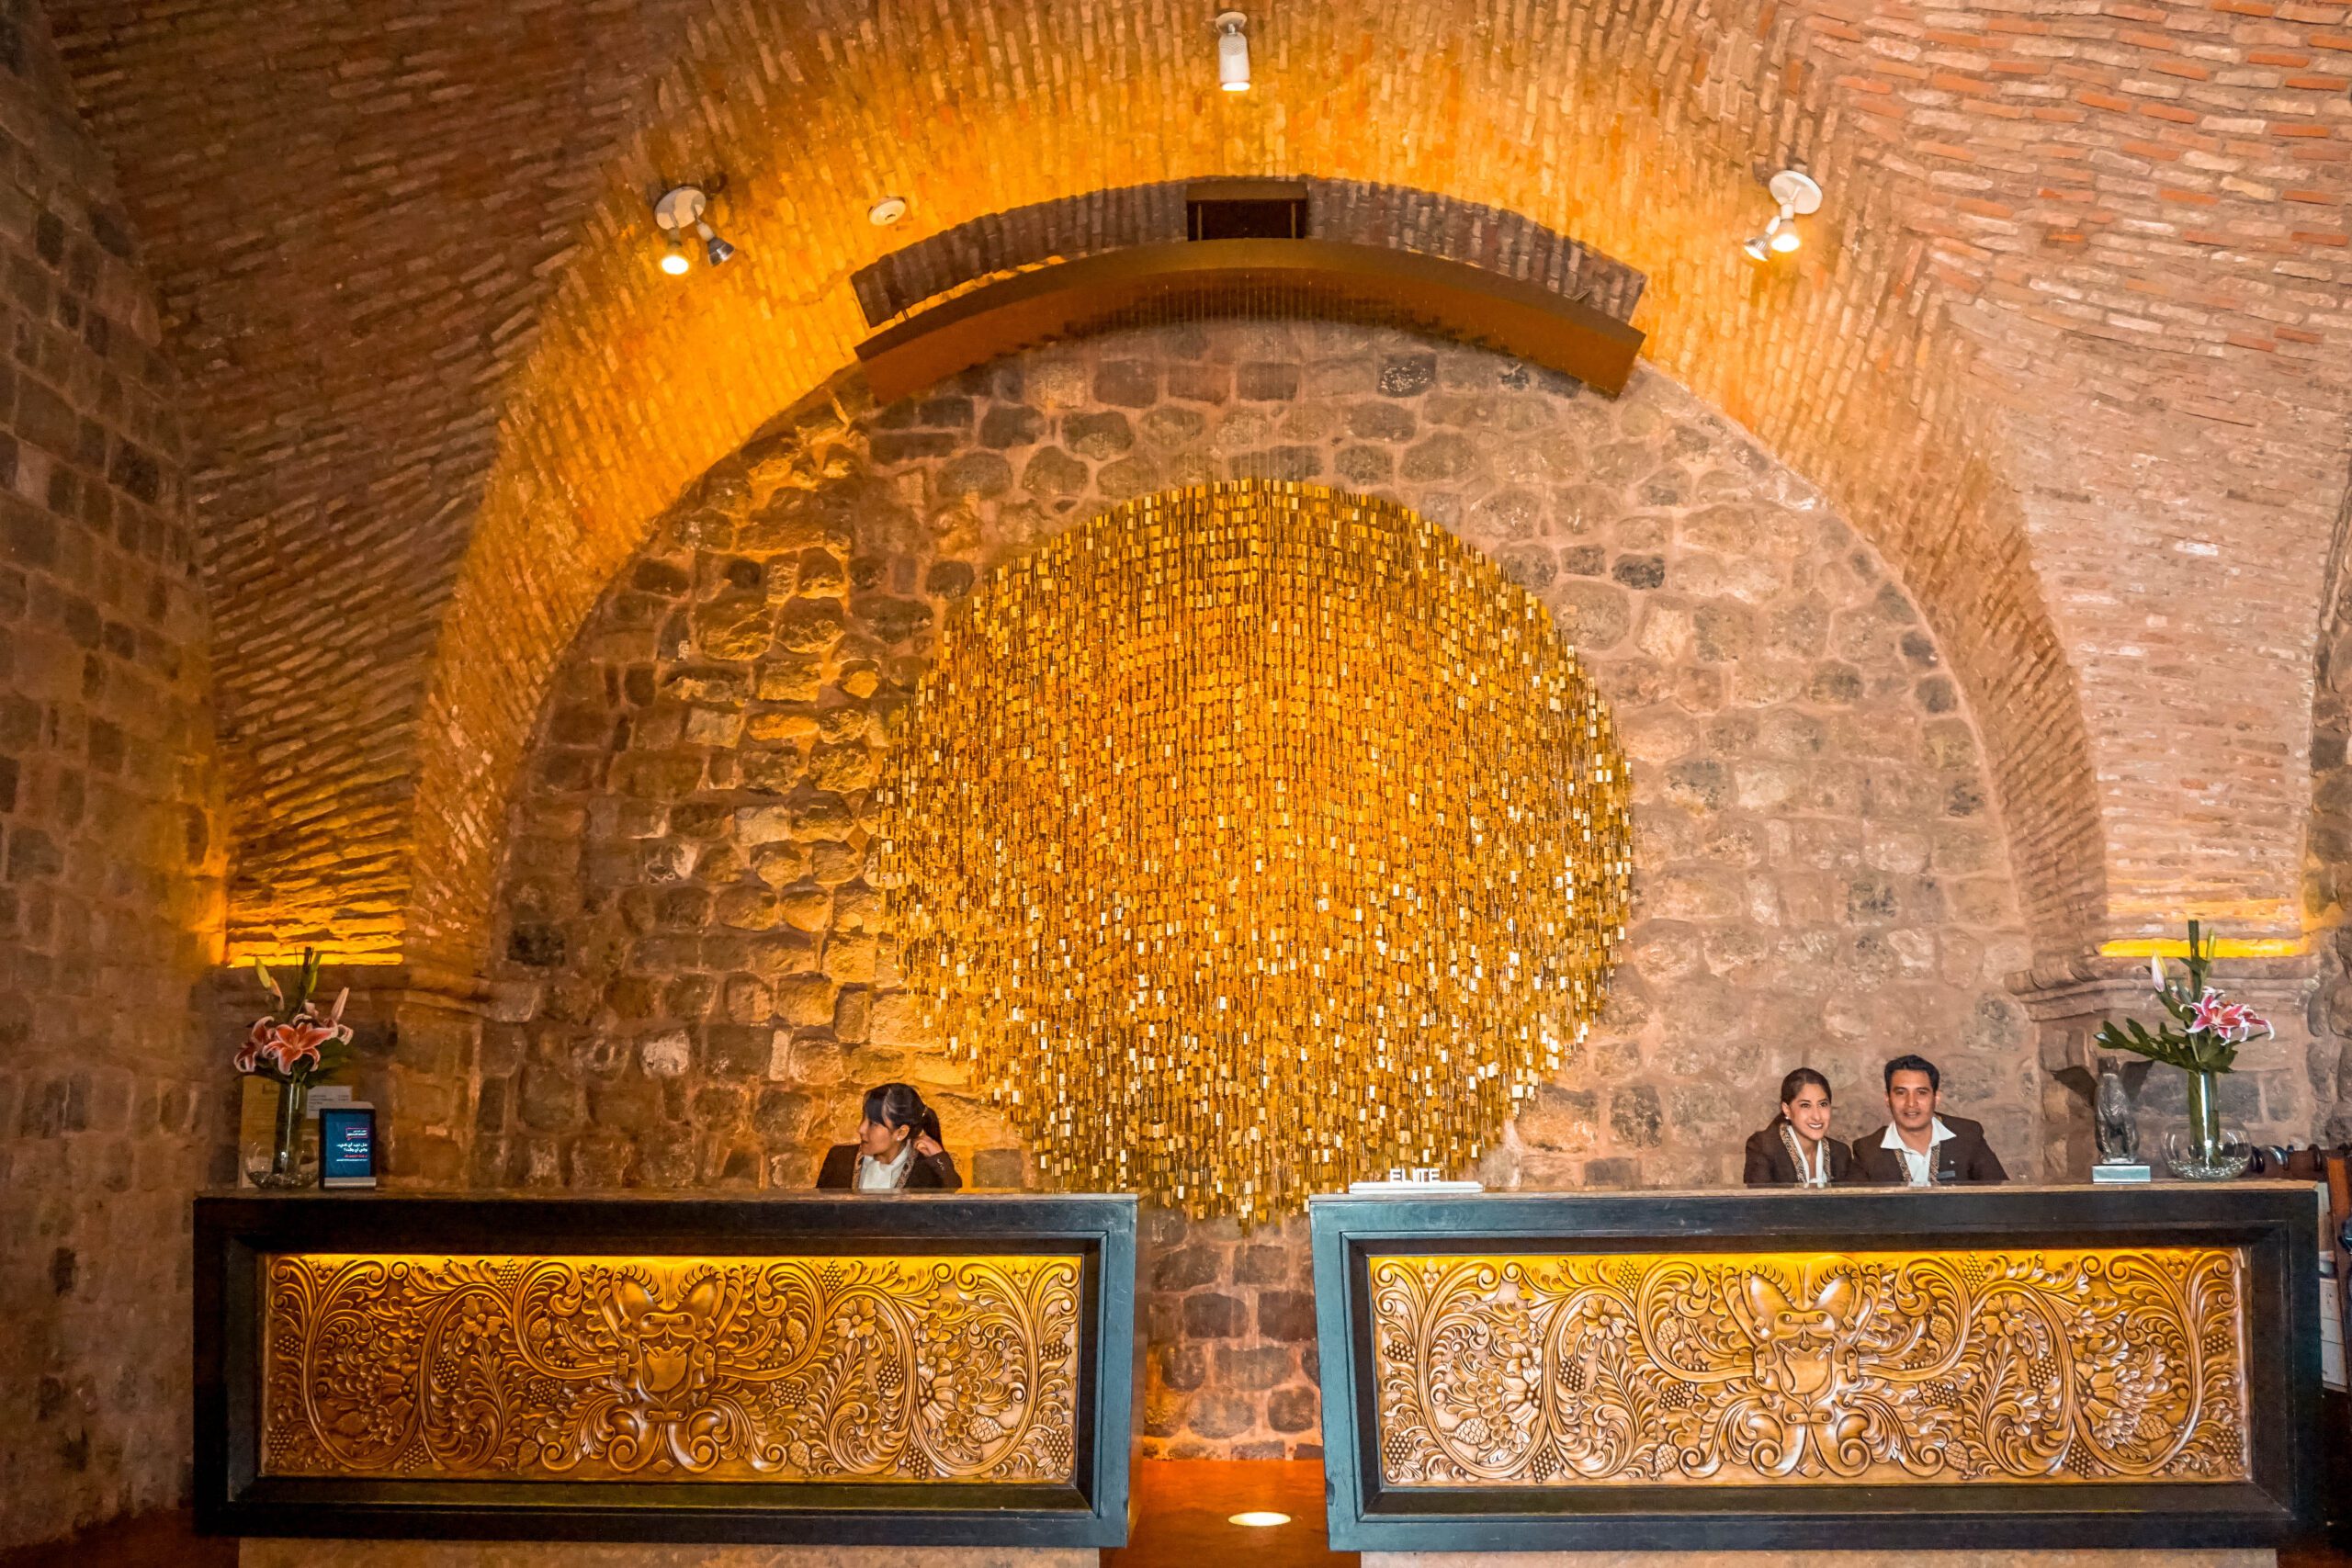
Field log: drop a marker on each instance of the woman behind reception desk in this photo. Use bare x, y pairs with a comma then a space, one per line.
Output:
1796, 1150
898, 1149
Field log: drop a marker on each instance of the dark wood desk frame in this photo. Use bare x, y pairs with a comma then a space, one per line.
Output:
2276, 1223
232, 1233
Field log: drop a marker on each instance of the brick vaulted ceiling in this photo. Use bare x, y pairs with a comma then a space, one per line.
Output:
2071, 341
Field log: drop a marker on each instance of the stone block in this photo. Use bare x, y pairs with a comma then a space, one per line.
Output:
1287, 1315
1211, 1316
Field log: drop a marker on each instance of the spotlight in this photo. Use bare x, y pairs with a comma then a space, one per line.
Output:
679, 210
1232, 51
1259, 1518
1798, 196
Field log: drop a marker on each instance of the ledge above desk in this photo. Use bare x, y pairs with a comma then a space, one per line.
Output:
2032, 1368
911, 1370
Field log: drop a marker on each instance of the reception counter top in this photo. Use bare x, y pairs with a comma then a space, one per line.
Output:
908, 1370
2030, 1368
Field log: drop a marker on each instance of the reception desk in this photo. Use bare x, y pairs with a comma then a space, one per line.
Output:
909, 1371
1991, 1367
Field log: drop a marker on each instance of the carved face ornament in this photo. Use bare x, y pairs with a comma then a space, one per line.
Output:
1804, 1354
665, 1348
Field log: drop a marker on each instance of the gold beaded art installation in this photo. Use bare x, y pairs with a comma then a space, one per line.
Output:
1255, 838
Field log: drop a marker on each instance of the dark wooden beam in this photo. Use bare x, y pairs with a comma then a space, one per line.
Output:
1148, 284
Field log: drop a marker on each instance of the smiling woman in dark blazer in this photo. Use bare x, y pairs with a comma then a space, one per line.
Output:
1796, 1150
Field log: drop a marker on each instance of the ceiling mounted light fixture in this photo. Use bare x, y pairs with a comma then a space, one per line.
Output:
1232, 51
680, 209
1798, 197
886, 211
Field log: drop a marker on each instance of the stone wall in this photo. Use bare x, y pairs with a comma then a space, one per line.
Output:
693, 978
109, 868
2328, 865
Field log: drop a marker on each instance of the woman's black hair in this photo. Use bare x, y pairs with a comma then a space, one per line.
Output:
898, 1105
1795, 1084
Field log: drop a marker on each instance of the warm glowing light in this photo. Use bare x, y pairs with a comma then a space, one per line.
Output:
1232, 51
1259, 1518
675, 264
241, 955
2217, 947
1786, 239
1788, 1368
1258, 839
815, 1358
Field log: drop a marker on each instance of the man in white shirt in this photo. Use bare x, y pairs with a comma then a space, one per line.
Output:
1919, 1147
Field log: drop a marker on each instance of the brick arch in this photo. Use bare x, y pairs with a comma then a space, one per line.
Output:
1848, 366
2068, 342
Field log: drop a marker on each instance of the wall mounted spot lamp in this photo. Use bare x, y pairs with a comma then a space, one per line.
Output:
678, 211
1232, 51
1798, 197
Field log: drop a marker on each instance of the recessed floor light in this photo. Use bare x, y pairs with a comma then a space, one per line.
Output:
1259, 1518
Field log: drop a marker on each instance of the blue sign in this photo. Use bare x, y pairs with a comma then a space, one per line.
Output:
346, 1145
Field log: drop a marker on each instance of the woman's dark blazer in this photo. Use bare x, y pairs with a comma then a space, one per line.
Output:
930, 1173
1768, 1164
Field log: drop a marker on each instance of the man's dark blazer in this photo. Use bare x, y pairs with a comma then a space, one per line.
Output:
1963, 1157
929, 1173
1768, 1164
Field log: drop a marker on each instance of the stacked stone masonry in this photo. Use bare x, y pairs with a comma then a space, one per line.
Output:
2328, 865
110, 848
694, 976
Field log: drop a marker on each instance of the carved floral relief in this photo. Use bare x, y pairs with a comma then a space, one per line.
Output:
1878, 1368
778, 1368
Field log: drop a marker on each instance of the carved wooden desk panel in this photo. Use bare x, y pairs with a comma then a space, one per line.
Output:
1891, 1368
2031, 1367
788, 1368
912, 1370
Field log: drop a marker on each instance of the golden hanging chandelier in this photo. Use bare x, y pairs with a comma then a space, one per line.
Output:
1255, 838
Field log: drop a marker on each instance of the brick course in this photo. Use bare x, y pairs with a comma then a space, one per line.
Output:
2071, 316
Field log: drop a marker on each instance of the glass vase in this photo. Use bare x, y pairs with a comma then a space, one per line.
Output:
285, 1168
2203, 1149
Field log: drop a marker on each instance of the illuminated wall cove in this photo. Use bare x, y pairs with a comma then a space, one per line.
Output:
1258, 838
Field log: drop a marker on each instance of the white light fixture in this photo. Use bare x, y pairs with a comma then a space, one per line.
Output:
1798, 197
1232, 51
1258, 1518
886, 211
679, 210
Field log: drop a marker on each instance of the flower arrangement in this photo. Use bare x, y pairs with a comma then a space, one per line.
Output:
294, 1045
2209, 1029
295, 1042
